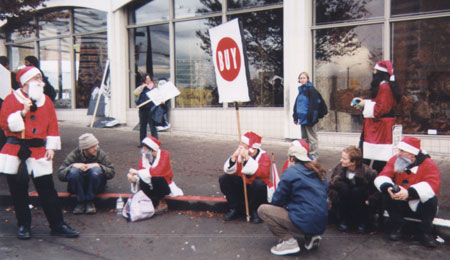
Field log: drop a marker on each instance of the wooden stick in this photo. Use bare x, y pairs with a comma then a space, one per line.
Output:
100, 92
244, 184
143, 103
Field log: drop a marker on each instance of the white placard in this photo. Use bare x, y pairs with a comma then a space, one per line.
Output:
5, 83
162, 93
229, 62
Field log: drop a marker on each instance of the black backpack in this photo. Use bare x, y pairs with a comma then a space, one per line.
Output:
323, 109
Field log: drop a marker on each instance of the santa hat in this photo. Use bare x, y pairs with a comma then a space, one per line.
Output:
302, 143
410, 144
252, 140
26, 74
386, 66
152, 143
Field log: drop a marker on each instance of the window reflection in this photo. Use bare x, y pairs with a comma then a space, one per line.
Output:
239, 4
18, 52
55, 63
264, 47
88, 20
54, 23
90, 60
329, 11
186, 8
422, 68
146, 11
194, 69
343, 66
418, 6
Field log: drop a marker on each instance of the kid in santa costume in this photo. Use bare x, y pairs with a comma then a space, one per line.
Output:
379, 118
31, 127
154, 174
250, 161
410, 184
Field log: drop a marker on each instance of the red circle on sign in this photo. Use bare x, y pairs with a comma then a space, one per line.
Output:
228, 59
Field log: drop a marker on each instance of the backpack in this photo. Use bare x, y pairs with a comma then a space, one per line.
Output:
323, 109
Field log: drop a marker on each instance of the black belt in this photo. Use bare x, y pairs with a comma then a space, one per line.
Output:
35, 142
389, 114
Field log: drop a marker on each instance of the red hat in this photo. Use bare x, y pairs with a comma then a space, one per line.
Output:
302, 143
252, 140
410, 144
386, 66
152, 143
26, 74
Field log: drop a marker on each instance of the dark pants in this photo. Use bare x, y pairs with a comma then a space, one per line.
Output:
351, 204
47, 196
159, 189
145, 117
233, 188
85, 184
399, 209
376, 165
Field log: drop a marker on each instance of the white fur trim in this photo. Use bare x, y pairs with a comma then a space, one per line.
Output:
135, 186
250, 167
380, 180
256, 145
392, 78
414, 169
28, 75
226, 167
270, 192
150, 143
413, 204
15, 122
53, 143
9, 164
175, 190
380, 68
424, 190
408, 148
145, 176
245, 140
40, 167
380, 152
369, 107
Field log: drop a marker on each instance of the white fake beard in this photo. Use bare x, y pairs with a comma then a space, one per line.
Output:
36, 90
401, 163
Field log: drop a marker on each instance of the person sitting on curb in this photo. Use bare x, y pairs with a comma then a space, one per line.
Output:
86, 169
154, 174
299, 205
249, 161
410, 185
299, 142
351, 186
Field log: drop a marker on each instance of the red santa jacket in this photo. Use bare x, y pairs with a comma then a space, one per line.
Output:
255, 168
41, 124
376, 129
424, 178
159, 168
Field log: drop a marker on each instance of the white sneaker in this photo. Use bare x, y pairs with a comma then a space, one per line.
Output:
162, 128
286, 247
312, 242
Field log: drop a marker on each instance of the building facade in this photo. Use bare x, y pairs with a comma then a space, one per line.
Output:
336, 42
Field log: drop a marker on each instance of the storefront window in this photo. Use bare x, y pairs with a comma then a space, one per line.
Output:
187, 8
54, 23
55, 63
330, 11
239, 4
194, 69
149, 11
90, 59
18, 52
88, 20
418, 6
151, 54
343, 65
422, 67
264, 48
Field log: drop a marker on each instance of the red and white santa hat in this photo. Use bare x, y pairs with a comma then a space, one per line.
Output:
302, 143
252, 140
386, 66
26, 74
152, 143
410, 144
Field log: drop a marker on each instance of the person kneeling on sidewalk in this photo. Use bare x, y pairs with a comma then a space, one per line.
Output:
410, 185
154, 174
299, 204
86, 169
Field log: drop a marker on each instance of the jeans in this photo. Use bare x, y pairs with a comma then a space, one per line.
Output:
85, 184
278, 221
309, 133
145, 117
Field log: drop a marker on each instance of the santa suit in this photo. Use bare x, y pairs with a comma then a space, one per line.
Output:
422, 184
377, 126
257, 177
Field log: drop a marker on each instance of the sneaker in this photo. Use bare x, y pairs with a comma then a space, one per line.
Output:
79, 208
24, 232
90, 208
161, 208
286, 247
312, 242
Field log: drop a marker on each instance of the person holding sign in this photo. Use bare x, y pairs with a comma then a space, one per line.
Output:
250, 161
29, 120
146, 108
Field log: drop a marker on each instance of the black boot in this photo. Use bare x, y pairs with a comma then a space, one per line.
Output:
64, 230
255, 219
428, 240
396, 234
24, 232
232, 214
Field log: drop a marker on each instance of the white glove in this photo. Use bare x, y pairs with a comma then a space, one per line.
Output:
174, 190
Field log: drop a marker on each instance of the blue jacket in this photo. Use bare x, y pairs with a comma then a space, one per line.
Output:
307, 105
143, 97
304, 196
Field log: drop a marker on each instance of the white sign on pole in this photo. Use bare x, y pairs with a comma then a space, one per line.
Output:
229, 62
5, 83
